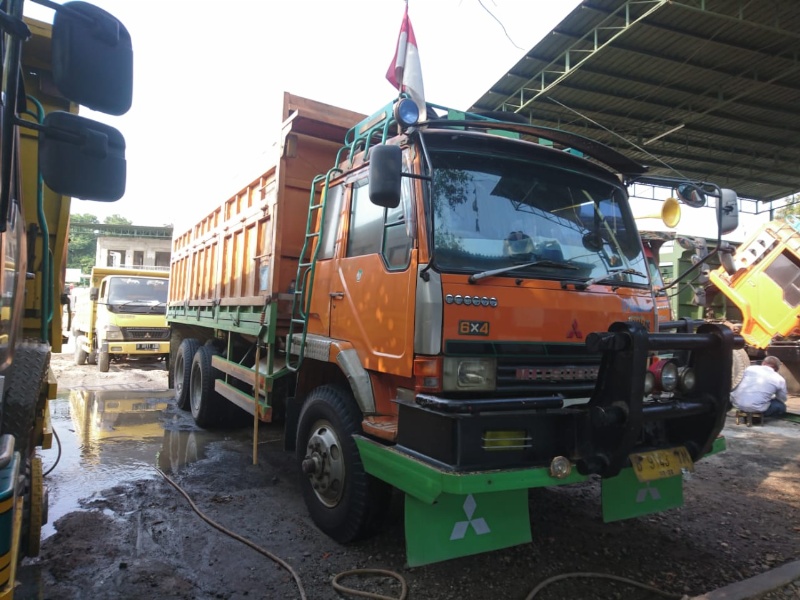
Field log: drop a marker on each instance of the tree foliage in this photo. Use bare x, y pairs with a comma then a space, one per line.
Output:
792, 208
82, 248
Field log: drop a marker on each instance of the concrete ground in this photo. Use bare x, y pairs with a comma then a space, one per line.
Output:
781, 583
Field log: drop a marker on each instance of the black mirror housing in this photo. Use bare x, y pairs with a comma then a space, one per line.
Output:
92, 58
82, 158
385, 174
94, 294
728, 211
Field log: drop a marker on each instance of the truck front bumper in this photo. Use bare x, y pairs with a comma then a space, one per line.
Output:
598, 436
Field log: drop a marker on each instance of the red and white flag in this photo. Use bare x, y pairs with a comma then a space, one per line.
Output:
405, 72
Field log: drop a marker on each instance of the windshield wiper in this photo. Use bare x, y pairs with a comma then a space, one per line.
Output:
582, 285
538, 263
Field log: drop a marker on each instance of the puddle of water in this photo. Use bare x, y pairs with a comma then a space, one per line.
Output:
110, 436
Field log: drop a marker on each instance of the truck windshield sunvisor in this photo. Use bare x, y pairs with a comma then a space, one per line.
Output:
496, 213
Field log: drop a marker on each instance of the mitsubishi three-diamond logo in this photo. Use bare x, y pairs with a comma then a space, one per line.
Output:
479, 525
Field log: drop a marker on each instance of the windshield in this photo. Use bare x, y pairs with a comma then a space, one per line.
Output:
138, 291
496, 211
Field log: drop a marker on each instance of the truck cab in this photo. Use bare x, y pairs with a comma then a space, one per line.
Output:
124, 318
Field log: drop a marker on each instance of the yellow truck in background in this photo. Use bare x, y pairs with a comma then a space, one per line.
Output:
762, 279
48, 154
124, 317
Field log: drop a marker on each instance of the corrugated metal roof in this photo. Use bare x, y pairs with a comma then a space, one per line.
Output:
703, 89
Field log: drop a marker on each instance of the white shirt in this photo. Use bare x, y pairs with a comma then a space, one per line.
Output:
758, 386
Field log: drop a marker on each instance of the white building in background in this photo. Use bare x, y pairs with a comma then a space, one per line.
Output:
135, 246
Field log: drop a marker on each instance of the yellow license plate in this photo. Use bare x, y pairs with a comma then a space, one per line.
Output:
660, 464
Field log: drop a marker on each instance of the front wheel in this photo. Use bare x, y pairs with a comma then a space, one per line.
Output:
741, 360
103, 361
80, 354
344, 501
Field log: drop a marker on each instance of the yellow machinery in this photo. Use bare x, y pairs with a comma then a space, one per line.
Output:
763, 281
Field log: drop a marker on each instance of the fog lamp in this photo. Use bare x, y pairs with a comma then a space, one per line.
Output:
686, 379
560, 467
406, 112
665, 372
649, 383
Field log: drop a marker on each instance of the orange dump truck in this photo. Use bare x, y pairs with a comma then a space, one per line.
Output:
458, 308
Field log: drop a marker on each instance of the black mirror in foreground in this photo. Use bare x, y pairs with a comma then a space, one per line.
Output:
92, 58
82, 158
385, 172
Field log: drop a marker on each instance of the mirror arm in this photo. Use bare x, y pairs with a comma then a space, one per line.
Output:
14, 27
683, 275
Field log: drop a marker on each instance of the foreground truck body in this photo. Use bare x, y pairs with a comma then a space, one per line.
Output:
123, 318
46, 72
475, 326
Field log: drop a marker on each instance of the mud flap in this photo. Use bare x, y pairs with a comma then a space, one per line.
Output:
458, 525
625, 497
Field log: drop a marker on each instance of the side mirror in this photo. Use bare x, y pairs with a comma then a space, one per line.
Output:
691, 195
385, 172
94, 294
82, 158
728, 211
92, 58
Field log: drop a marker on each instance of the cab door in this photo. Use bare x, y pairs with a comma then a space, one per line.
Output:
373, 282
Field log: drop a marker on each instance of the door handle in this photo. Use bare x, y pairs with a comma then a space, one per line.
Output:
337, 295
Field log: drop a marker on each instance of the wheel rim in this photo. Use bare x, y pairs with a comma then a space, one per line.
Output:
179, 369
324, 464
195, 389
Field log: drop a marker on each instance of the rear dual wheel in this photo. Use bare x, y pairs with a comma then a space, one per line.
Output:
208, 407
182, 371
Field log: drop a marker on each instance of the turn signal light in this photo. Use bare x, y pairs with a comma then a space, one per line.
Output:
428, 374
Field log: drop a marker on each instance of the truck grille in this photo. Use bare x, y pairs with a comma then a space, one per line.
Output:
537, 369
145, 333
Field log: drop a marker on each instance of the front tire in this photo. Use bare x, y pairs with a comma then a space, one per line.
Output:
741, 360
343, 500
207, 406
103, 361
80, 354
182, 371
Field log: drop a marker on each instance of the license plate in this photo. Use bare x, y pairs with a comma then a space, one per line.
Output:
147, 346
660, 464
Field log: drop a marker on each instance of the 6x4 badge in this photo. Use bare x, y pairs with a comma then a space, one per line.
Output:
473, 327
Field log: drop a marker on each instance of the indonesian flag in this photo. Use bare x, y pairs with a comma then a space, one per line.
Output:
405, 72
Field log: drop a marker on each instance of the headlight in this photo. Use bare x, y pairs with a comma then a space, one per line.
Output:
471, 374
113, 332
686, 379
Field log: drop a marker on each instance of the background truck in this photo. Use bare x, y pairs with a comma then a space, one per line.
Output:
123, 318
761, 280
458, 308
47, 154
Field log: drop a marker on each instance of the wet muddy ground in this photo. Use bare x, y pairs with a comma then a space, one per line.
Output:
119, 530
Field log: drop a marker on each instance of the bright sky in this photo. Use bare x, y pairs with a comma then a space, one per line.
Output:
209, 79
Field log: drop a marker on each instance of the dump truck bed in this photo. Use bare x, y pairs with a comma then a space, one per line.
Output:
246, 250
